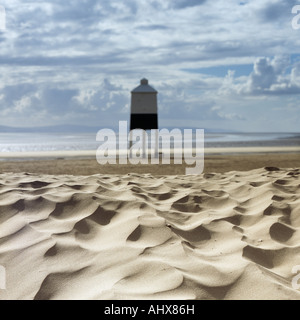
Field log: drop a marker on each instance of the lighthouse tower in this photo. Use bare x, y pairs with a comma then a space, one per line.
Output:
143, 107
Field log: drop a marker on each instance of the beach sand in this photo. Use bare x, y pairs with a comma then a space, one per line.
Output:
79, 165
72, 229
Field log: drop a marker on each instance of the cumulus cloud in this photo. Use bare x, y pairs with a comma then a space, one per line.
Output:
275, 76
270, 77
54, 102
108, 97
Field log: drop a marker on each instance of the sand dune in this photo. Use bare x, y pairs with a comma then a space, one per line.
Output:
233, 235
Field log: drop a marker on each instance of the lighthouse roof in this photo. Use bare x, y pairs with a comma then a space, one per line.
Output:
144, 87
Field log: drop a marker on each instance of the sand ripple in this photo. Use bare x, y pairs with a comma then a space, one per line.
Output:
136, 236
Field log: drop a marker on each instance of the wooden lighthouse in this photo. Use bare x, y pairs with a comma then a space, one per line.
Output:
143, 107
144, 112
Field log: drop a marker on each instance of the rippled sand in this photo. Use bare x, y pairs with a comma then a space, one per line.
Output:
233, 235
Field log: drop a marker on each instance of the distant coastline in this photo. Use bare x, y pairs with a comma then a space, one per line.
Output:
69, 128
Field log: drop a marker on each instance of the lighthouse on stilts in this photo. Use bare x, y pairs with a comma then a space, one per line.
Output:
144, 111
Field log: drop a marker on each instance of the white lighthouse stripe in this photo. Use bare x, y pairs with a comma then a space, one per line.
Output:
143, 103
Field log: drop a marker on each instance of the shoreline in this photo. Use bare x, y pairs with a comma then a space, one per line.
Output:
92, 153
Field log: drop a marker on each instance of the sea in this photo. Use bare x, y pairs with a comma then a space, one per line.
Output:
39, 142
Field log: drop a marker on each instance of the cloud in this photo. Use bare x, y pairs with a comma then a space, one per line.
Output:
275, 10
57, 100
19, 100
269, 77
76, 61
263, 75
126, 33
180, 4
103, 105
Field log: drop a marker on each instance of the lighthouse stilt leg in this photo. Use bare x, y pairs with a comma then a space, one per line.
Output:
130, 144
144, 143
156, 143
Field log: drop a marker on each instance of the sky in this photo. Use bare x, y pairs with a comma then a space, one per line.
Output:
224, 65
